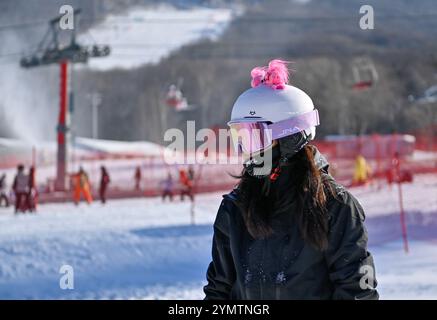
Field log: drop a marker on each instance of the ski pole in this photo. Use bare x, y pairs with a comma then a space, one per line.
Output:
402, 216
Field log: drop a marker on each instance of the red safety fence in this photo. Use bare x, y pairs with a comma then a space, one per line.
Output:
341, 152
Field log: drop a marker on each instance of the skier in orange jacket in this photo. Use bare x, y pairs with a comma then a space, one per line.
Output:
186, 185
82, 186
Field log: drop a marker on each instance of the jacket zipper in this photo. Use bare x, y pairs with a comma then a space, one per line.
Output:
261, 280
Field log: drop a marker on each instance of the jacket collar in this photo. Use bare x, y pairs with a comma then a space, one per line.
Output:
320, 160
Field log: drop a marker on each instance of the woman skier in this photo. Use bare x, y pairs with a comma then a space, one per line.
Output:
288, 230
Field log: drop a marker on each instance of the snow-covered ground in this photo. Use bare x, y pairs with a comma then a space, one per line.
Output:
142, 248
143, 36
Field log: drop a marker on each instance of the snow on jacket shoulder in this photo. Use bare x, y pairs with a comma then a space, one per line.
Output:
283, 266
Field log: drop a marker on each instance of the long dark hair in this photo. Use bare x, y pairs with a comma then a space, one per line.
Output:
307, 187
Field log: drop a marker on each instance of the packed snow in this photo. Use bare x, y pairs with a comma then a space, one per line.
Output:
143, 36
146, 249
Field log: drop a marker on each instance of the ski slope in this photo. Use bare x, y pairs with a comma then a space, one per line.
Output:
145, 35
146, 249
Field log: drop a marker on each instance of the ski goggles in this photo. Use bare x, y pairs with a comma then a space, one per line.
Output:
251, 137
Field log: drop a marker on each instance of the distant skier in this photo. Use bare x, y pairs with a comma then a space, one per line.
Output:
21, 189
191, 177
394, 173
32, 195
362, 171
191, 173
138, 178
3, 194
82, 186
167, 188
104, 181
186, 188
391, 172
186, 185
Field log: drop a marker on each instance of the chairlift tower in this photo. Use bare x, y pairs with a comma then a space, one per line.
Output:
50, 51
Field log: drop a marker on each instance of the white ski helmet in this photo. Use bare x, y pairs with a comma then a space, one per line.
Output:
271, 99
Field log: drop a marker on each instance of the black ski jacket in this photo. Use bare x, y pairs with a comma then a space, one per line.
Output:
283, 266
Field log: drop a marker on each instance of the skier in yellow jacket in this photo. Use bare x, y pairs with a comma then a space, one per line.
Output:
362, 171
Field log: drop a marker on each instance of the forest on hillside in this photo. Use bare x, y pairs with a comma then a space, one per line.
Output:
323, 41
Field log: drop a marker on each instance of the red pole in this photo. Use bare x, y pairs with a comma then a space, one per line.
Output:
401, 204
403, 224
380, 174
62, 128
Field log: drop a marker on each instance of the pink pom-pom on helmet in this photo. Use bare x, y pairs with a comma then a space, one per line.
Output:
274, 75
258, 75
